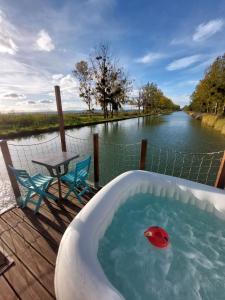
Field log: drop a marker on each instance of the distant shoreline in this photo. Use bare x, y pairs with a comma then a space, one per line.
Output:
210, 120
33, 124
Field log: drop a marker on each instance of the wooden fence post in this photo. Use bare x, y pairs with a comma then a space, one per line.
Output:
61, 120
96, 159
143, 154
220, 179
8, 162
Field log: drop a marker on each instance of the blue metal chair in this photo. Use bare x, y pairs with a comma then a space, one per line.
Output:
37, 184
77, 178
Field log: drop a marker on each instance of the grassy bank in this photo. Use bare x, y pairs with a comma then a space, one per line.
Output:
18, 125
210, 120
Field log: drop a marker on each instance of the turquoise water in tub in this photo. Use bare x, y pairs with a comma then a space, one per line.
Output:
192, 267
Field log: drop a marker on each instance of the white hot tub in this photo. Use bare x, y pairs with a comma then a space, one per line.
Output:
78, 273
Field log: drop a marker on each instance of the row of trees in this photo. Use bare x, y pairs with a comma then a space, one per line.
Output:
151, 99
103, 82
209, 94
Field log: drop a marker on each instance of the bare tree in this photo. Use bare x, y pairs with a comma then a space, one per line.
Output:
112, 85
84, 74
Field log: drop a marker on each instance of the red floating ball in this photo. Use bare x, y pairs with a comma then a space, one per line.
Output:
157, 236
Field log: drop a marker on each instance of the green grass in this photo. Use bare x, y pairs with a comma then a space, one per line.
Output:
18, 125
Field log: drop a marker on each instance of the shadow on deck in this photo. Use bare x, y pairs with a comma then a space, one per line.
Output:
32, 241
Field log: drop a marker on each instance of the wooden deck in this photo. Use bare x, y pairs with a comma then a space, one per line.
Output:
32, 241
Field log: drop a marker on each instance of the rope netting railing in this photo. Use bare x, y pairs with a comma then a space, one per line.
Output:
115, 159
23, 154
199, 167
7, 198
118, 158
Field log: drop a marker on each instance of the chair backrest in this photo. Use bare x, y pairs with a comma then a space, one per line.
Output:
82, 168
22, 177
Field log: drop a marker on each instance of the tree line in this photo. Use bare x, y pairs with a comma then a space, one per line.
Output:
209, 94
151, 99
103, 82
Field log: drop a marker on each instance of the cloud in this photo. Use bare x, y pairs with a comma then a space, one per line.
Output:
7, 43
44, 41
181, 99
183, 62
150, 58
57, 76
13, 96
46, 101
31, 102
206, 30
68, 84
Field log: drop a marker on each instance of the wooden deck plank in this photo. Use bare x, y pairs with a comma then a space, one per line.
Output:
23, 282
45, 226
35, 263
32, 241
6, 292
40, 244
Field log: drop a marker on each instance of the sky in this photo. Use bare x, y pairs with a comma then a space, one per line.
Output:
170, 43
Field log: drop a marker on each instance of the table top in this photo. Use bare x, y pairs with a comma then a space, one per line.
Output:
55, 160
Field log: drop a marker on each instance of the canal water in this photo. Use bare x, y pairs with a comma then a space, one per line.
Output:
119, 143
177, 130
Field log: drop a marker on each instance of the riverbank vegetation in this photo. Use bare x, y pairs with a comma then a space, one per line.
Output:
208, 99
18, 125
209, 94
210, 120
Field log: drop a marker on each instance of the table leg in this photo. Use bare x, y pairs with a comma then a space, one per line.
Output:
59, 183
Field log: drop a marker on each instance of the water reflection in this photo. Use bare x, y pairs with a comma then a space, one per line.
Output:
177, 130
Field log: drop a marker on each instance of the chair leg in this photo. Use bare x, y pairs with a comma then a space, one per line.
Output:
77, 195
27, 198
87, 187
38, 204
68, 193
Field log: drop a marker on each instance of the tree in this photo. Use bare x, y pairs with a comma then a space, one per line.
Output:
139, 100
151, 99
111, 83
150, 96
209, 94
84, 74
